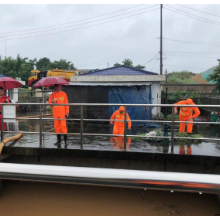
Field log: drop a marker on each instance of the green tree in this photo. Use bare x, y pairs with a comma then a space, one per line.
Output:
127, 62
19, 67
140, 67
215, 76
63, 64
43, 64
117, 64
182, 77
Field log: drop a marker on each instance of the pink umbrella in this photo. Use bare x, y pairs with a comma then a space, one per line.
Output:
50, 81
9, 83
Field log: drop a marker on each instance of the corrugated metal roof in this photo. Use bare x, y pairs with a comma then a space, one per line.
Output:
119, 70
109, 84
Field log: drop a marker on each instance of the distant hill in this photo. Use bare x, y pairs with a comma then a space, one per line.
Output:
185, 77
202, 77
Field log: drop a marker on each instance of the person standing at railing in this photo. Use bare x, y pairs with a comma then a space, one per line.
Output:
186, 114
59, 112
119, 117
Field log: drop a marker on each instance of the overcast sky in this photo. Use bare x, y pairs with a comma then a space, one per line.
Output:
133, 37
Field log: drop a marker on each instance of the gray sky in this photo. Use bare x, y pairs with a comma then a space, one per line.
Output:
133, 38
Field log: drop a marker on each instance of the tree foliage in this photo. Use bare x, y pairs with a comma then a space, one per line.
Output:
215, 76
128, 62
21, 67
182, 77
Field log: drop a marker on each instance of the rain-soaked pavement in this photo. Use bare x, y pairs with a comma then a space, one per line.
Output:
106, 143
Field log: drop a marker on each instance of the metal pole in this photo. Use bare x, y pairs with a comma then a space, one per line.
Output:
125, 126
2, 123
40, 126
81, 126
161, 40
172, 131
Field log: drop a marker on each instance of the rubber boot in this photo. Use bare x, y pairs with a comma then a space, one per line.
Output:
65, 140
58, 139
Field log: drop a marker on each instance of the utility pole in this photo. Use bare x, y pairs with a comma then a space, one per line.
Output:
161, 41
166, 75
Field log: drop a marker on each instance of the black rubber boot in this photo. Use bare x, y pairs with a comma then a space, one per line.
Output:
65, 140
58, 139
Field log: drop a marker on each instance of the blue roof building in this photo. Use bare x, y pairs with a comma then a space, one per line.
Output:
119, 70
121, 84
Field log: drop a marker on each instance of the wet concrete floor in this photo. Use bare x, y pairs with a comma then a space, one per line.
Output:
106, 143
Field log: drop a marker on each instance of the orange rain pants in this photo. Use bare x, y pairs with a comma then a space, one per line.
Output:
186, 114
59, 112
118, 143
119, 126
188, 150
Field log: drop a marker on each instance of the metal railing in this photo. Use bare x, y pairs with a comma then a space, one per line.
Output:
82, 120
188, 182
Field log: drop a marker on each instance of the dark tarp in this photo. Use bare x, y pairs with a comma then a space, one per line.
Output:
133, 95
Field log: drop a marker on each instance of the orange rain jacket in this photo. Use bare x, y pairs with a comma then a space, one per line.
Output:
119, 125
187, 112
59, 112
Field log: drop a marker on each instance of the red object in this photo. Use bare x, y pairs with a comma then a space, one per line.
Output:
9, 83
50, 81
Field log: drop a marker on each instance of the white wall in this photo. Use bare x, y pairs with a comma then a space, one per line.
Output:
156, 96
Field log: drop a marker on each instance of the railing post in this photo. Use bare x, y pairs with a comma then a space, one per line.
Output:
172, 131
40, 126
125, 126
81, 125
2, 123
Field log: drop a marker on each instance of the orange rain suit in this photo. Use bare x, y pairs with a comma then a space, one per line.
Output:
119, 126
186, 114
59, 112
118, 143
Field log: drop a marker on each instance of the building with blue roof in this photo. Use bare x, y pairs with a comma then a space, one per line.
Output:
121, 84
119, 70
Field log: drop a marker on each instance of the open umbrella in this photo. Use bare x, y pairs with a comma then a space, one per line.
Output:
50, 81
9, 83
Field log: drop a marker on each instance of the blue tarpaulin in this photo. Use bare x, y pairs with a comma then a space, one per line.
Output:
133, 95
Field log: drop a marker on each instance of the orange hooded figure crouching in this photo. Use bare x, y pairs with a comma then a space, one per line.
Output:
186, 114
119, 117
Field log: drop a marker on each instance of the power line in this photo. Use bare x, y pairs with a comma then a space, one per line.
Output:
152, 58
195, 17
72, 21
82, 27
78, 24
199, 10
191, 42
190, 53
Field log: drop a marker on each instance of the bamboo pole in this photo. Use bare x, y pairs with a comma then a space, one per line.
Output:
33, 116
5, 141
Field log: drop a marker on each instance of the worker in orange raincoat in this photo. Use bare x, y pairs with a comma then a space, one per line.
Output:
59, 112
118, 143
119, 126
186, 114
